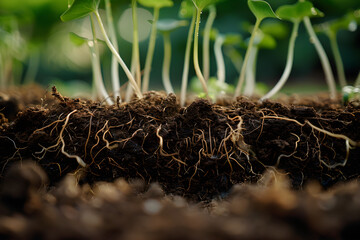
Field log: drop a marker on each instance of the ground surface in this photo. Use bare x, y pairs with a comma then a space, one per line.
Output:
229, 170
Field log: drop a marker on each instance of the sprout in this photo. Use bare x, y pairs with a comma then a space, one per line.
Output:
221, 40
206, 41
331, 28
321, 52
114, 65
294, 13
200, 5
83, 8
261, 10
98, 83
261, 40
165, 27
157, 5
187, 10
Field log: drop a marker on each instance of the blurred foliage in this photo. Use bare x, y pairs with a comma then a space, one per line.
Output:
40, 28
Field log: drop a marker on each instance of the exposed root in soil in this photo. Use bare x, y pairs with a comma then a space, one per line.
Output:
198, 152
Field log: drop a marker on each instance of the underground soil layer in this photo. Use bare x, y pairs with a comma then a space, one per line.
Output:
150, 169
198, 152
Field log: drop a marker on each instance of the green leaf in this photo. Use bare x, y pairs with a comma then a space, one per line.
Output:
261, 9
156, 3
267, 42
298, 11
77, 40
169, 25
201, 4
186, 9
233, 39
79, 9
277, 29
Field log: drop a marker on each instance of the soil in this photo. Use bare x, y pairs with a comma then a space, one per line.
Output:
285, 169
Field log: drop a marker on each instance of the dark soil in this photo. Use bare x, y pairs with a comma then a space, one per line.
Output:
212, 154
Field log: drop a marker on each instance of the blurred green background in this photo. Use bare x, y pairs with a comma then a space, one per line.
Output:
41, 48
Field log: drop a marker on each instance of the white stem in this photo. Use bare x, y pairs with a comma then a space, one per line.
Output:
357, 81
166, 64
206, 42
246, 59
135, 45
33, 68
289, 63
338, 60
95, 61
323, 57
196, 52
221, 73
185, 74
118, 58
150, 52
251, 72
114, 65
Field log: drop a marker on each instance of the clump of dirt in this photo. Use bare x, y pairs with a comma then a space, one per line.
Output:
198, 152
269, 209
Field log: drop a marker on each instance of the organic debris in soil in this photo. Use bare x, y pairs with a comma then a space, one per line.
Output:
119, 210
198, 152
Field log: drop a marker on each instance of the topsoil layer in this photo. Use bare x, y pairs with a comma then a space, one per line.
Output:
199, 152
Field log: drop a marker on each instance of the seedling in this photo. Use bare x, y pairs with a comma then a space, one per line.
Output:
95, 63
83, 8
187, 10
206, 41
221, 40
322, 54
156, 5
261, 40
261, 10
294, 13
114, 64
165, 27
331, 29
200, 5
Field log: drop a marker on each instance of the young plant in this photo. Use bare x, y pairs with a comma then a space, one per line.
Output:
83, 8
331, 29
165, 27
294, 13
200, 5
261, 10
221, 40
261, 41
98, 83
114, 64
206, 41
322, 54
187, 10
156, 5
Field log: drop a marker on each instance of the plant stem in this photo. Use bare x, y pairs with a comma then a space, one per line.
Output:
185, 74
166, 64
34, 62
247, 54
338, 60
118, 58
357, 81
206, 42
219, 57
289, 63
150, 52
251, 72
95, 61
114, 65
323, 58
135, 45
196, 52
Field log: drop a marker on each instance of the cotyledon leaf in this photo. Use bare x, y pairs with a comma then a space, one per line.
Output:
79, 9
261, 9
